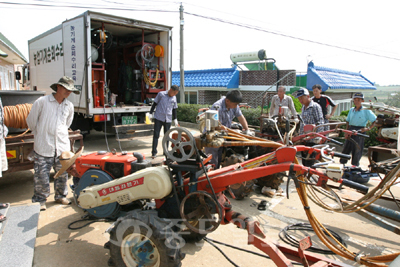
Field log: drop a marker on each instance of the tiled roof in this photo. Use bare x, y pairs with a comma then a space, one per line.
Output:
228, 78
336, 79
11, 46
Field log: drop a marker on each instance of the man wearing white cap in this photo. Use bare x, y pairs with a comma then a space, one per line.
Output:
49, 120
311, 113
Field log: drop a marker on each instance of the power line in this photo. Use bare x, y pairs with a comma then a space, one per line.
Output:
205, 17
89, 7
288, 36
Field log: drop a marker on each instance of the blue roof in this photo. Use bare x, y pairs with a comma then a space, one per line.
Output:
336, 79
225, 78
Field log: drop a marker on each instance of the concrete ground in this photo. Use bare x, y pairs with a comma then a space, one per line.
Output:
56, 245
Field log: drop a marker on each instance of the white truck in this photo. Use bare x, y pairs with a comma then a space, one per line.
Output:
119, 65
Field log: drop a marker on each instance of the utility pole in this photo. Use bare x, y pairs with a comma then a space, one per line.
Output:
182, 89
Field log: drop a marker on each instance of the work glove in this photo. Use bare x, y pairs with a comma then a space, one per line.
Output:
149, 118
176, 123
248, 132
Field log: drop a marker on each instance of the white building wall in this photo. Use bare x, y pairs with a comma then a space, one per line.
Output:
6, 76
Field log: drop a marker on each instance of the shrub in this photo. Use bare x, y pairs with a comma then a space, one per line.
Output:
188, 112
338, 118
251, 115
344, 113
373, 134
296, 102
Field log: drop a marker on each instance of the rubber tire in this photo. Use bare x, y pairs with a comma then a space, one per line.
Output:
192, 237
169, 250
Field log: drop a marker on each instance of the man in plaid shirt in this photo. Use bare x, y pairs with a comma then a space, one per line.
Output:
311, 113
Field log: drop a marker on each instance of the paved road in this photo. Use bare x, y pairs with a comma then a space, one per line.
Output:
56, 245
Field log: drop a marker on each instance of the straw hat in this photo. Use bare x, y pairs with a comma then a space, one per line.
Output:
67, 83
67, 159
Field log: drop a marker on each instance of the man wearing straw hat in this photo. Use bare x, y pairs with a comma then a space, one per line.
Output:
49, 120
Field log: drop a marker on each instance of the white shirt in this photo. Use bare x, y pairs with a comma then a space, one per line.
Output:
286, 102
49, 122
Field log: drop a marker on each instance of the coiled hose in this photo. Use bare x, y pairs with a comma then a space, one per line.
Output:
15, 116
335, 245
148, 79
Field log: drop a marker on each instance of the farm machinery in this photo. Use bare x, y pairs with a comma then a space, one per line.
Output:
383, 158
158, 209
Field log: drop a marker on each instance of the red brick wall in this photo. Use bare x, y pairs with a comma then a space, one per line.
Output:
252, 98
209, 97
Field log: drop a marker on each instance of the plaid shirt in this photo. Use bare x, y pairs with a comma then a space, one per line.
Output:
312, 115
226, 115
165, 105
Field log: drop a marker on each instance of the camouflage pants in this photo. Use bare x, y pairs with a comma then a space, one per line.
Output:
41, 179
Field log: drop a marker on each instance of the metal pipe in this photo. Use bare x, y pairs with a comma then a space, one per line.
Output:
379, 221
388, 213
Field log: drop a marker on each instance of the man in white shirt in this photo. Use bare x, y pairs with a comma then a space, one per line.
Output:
49, 120
284, 101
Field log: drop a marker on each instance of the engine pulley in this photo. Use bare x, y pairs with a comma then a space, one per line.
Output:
96, 177
178, 144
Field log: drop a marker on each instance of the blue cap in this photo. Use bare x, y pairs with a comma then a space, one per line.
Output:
302, 92
358, 95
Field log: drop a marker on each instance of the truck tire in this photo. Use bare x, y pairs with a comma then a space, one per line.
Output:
143, 239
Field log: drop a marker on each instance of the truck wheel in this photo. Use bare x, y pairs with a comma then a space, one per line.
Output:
143, 239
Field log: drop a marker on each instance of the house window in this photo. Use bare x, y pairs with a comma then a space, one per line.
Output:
6, 78
344, 104
11, 80
190, 97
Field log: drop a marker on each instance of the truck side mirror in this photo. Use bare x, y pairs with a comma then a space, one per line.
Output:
18, 75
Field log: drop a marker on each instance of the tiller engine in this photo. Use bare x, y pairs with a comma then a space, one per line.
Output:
102, 167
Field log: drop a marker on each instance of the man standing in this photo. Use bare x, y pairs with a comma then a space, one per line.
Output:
49, 120
357, 120
165, 112
282, 100
323, 101
228, 109
311, 113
